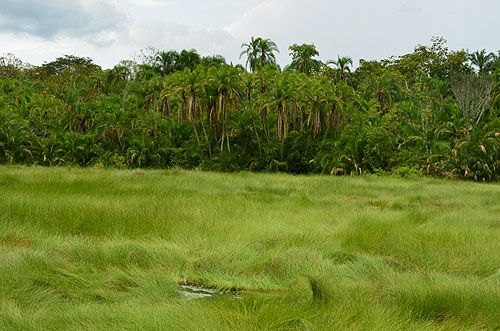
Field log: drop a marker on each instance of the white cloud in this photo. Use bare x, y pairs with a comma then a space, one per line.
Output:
369, 29
50, 19
150, 3
171, 35
111, 30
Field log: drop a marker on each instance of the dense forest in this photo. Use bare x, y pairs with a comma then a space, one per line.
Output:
434, 111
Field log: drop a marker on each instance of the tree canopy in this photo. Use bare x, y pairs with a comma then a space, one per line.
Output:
303, 58
259, 52
433, 111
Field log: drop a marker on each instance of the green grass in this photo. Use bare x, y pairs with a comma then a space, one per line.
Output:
93, 249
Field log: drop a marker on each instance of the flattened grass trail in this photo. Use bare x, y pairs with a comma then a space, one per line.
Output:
89, 249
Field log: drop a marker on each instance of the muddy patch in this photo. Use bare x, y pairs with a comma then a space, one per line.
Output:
352, 198
445, 206
11, 241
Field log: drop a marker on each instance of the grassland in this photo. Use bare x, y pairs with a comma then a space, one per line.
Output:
94, 249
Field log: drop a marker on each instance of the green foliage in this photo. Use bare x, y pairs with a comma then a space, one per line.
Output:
408, 172
71, 63
303, 58
435, 61
495, 98
476, 154
179, 109
259, 52
10, 66
482, 60
342, 65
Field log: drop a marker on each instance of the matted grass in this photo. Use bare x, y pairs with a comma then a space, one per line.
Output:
91, 249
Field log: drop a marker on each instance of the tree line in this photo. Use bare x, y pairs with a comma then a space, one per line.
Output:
433, 111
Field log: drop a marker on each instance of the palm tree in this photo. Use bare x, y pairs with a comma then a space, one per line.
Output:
342, 65
249, 83
251, 51
259, 52
182, 84
265, 80
213, 61
302, 58
188, 59
227, 83
495, 97
267, 47
494, 64
481, 60
167, 61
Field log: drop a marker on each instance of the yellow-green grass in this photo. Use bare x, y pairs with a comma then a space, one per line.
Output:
96, 249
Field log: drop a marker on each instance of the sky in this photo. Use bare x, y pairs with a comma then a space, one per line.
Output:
108, 31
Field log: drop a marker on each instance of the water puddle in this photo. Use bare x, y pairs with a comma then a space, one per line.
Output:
192, 292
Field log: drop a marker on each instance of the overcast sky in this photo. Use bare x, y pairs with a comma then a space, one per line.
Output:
112, 30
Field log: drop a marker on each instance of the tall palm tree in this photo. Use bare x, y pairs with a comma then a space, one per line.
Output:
259, 52
302, 58
494, 64
267, 47
227, 83
495, 98
342, 64
265, 81
213, 61
249, 83
481, 59
251, 51
185, 84
386, 89
167, 61
188, 59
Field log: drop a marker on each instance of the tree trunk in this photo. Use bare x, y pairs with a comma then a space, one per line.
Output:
329, 121
166, 109
253, 121
207, 139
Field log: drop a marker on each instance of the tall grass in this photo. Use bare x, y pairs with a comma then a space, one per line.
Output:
95, 249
